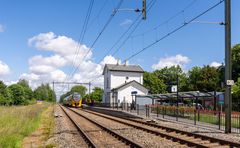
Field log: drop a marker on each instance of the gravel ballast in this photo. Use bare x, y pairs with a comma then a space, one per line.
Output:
65, 134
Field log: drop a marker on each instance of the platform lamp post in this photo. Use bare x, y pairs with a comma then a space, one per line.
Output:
174, 89
177, 93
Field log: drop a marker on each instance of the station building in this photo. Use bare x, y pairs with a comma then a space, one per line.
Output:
122, 82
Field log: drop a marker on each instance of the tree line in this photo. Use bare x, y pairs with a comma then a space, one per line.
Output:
22, 94
95, 95
204, 78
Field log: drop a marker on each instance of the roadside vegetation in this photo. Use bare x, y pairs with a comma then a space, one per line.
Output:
22, 94
20, 114
17, 122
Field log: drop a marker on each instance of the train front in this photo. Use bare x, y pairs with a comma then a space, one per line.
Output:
77, 100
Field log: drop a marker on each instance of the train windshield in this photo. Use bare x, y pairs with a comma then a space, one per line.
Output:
76, 96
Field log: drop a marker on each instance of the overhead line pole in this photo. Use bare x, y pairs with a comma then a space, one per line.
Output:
144, 9
228, 67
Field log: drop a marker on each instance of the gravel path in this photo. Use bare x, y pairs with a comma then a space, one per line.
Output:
146, 139
65, 134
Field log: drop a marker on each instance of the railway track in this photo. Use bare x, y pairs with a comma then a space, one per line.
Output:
183, 137
145, 138
97, 135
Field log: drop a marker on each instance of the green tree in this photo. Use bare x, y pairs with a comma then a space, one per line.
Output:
169, 77
5, 95
236, 95
97, 94
205, 79
44, 92
18, 94
208, 79
27, 89
236, 62
153, 83
221, 76
2, 87
194, 78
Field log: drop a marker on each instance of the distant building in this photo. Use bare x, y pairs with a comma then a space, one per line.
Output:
121, 82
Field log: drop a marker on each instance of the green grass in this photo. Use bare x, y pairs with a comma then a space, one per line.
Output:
207, 118
18, 122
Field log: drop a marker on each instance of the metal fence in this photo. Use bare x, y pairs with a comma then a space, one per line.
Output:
185, 114
208, 118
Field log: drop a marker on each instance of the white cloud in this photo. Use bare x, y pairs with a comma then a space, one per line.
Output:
61, 45
30, 76
41, 69
171, 61
109, 60
48, 69
4, 68
215, 64
126, 22
55, 61
58, 75
1, 28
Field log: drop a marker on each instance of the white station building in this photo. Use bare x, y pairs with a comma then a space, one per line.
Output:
121, 82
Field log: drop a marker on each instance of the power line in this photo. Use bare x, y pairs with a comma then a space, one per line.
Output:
119, 39
94, 42
151, 4
82, 35
171, 32
84, 28
175, 30
98, 13
104, 27
167, 21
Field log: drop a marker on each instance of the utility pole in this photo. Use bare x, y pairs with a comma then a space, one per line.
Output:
144, 9
228, 67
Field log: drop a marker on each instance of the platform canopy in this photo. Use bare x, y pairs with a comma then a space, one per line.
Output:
183, 95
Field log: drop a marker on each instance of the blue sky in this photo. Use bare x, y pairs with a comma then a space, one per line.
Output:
38, 39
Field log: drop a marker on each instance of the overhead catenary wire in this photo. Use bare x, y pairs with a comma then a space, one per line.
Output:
133, 30
123, 34
137, 19
82, 35
171, 32
98, 13
84, 29
94, 42
175, 30
167, 21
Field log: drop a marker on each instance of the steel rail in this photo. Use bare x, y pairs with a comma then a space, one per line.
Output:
85, 136
168, 129
120, 137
